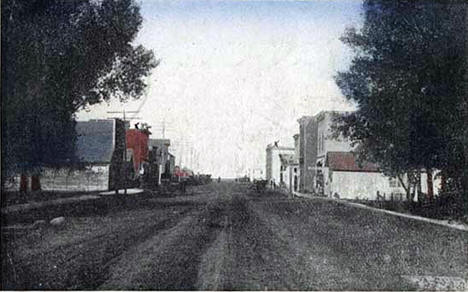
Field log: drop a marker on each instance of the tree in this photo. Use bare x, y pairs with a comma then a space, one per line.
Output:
58, 57
464, 107
407, 81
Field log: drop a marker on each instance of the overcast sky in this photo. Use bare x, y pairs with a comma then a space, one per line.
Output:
236, 75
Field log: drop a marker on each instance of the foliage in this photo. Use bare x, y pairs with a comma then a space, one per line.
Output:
58, 57
407, 81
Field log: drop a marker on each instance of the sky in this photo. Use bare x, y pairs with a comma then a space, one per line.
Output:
237, 75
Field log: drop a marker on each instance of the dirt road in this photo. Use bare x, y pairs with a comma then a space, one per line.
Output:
225, 237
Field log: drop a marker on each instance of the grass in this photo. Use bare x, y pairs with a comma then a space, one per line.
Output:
441, 207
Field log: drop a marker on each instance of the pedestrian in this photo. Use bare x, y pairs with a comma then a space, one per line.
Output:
183, 185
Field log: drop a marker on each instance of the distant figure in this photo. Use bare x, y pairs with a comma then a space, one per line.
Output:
183, 186
136, 125
219, 179
276, 143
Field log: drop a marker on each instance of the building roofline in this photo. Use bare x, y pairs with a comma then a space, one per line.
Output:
164, 141
319, 115
269, 148
304, 119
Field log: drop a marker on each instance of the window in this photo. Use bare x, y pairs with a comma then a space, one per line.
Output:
323, 141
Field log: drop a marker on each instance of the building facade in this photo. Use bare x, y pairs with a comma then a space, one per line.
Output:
137, 147
100, 149
336, 171
326, 142
161, 149
296, 138
289, 172
257, 174
346, 178
307, 154
273, 162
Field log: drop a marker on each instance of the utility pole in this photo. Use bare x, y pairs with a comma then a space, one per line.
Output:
125, 145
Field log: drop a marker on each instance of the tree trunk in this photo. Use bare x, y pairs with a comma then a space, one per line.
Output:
465, 118
35, 183
406, 187
418, 184
443, 183
430, 186
4, 179
24, 181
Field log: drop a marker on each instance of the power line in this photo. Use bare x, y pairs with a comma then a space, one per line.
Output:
145, 98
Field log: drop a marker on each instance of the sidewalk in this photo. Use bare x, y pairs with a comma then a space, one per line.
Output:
133, 191
92, 203
42, 204
446, 223
63, 201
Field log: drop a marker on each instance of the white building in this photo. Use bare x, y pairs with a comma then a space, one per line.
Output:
325, 142
345, 178
273, 162
256, 173
340, 175
161, 146
289, 176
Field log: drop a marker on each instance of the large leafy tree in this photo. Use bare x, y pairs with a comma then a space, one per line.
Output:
407, 81
60, 56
